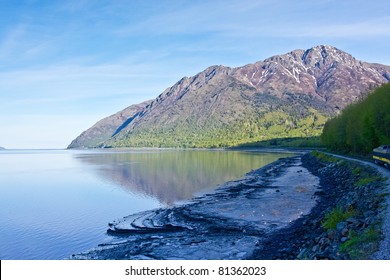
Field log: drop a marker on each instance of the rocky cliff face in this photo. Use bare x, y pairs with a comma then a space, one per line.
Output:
322, 72
288, 95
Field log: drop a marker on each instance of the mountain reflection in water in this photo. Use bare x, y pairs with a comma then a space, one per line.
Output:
174, 175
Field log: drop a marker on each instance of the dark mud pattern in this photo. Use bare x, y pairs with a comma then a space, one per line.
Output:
272, 213
227, 224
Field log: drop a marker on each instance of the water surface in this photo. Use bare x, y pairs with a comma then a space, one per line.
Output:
56, 202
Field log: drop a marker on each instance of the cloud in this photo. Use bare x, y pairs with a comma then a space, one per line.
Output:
360, 29
74, 88
196, 17
97, 74
29, 43
265, 19
11, 41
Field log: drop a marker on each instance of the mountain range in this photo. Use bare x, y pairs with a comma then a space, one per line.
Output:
289, 95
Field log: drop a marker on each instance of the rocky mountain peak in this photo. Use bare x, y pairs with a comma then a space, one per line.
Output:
285, 95
187, 84
327, 56
324, 72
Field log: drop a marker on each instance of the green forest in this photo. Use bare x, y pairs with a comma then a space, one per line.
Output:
361, 126
255, 128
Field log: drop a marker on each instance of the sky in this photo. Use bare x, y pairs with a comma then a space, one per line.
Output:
64, 65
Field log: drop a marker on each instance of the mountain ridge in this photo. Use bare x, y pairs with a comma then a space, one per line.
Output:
285, 95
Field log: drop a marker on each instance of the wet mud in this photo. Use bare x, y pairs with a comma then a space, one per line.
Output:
233, 222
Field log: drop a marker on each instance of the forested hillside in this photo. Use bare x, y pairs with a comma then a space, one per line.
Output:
361, 126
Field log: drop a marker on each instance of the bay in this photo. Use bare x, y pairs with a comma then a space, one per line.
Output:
58, 202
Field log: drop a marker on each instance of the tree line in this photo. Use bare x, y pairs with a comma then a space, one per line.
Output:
212, 134
361, 126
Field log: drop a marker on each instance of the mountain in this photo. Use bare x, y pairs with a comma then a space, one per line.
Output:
108, 127
289, 95
1, 148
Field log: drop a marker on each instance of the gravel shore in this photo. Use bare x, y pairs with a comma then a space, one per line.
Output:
351, 187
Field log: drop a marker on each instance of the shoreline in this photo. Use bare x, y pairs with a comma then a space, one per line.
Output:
346, 186
274, 212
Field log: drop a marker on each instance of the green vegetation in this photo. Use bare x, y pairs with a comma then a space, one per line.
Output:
357, 170
364, 177
361, 126
326, 158
290, 142
368, 180
358, 209
363, 245
252, 128
336, 216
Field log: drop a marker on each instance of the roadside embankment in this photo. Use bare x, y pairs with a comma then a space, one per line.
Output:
347, 221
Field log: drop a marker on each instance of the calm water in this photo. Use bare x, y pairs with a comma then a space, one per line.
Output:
55, 203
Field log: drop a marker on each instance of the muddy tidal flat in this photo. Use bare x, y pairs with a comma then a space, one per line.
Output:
229, 223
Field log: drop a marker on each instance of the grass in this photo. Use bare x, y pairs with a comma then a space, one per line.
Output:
337, 215
362, 246
362, 243
368, 180
357, 171
365, 177
325, 158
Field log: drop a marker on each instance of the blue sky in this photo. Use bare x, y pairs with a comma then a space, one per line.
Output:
66, 64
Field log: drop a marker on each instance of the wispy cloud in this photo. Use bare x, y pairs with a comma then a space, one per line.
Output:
264, 19
72, 88
11, 41
193, 18
28, 43
360, 29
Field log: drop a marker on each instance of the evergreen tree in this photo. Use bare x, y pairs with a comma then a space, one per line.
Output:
362, 126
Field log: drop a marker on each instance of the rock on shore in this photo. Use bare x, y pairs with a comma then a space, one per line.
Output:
346, 222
